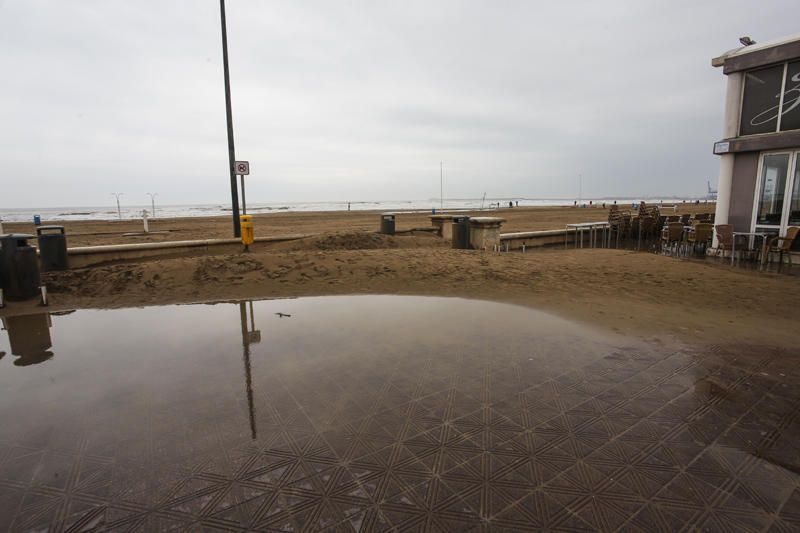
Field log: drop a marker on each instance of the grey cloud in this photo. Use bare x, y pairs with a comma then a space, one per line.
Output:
361, 100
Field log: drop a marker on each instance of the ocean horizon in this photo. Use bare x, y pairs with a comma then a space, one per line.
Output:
109, 212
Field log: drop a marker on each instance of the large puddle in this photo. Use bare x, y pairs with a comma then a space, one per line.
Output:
380, 412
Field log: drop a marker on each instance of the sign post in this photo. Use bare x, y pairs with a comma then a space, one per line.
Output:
243, 169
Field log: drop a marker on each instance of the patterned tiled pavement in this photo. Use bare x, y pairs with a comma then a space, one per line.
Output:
499, 437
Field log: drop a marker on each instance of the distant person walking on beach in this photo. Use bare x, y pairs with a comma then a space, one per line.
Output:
348, 206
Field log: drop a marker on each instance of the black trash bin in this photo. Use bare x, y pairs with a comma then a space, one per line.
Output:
19, 267
387, 223
52, 248
461, 232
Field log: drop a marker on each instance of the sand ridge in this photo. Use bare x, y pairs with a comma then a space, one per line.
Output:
634, 292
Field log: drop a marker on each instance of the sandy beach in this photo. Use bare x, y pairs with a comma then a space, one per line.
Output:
642, 294
93, 232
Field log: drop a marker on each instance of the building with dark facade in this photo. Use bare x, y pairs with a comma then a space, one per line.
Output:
759, 177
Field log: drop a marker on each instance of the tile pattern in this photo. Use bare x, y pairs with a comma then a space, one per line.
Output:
486, 440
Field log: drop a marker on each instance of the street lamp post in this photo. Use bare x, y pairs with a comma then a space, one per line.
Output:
237, 231
441, 185
117, 195
152, 196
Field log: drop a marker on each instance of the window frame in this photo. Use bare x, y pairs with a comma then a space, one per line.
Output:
794, 160
780, 100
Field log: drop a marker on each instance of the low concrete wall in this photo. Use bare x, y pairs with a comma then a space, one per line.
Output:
443, 225
535, 239
84, 256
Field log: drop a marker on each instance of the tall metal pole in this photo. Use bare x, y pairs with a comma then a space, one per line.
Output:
244, 204
441, 186
117, 195
152, 196
237, 230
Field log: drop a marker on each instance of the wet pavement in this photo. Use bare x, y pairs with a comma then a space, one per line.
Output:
376, 413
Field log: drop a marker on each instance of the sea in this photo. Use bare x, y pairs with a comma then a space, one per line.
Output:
109, 212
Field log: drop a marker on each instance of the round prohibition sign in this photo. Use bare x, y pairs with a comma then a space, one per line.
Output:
242, 167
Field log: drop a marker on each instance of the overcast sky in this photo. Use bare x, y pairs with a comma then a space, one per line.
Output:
362, 100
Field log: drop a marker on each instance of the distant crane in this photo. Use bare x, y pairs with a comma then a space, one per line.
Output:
712, 193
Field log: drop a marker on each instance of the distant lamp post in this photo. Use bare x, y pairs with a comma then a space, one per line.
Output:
152, 196
441, 185
117, 195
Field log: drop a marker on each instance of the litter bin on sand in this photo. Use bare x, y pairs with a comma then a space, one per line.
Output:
19, 267
387, 223
461, 232
248, 230
52, 248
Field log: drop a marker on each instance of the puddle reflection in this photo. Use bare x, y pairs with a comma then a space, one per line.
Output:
382, 412
249, 336
29, 338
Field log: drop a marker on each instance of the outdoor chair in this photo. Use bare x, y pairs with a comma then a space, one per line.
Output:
725, 241
724, 238
649, 226
783, 245
700, 235
626, 224
619, 225
685, 219
672, 236
645, 230
614, 223
662, 219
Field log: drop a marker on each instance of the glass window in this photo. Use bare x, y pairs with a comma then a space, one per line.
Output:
794, 207
773, 186
791, 98
762, 92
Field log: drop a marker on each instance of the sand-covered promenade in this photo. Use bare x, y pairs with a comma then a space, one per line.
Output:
639, 293
94, 232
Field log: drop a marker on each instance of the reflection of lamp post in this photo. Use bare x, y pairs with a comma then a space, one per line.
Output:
249, 336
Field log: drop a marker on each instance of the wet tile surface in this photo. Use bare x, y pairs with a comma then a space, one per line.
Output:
386, 413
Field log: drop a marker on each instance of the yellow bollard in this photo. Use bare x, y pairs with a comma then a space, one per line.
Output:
248, 235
